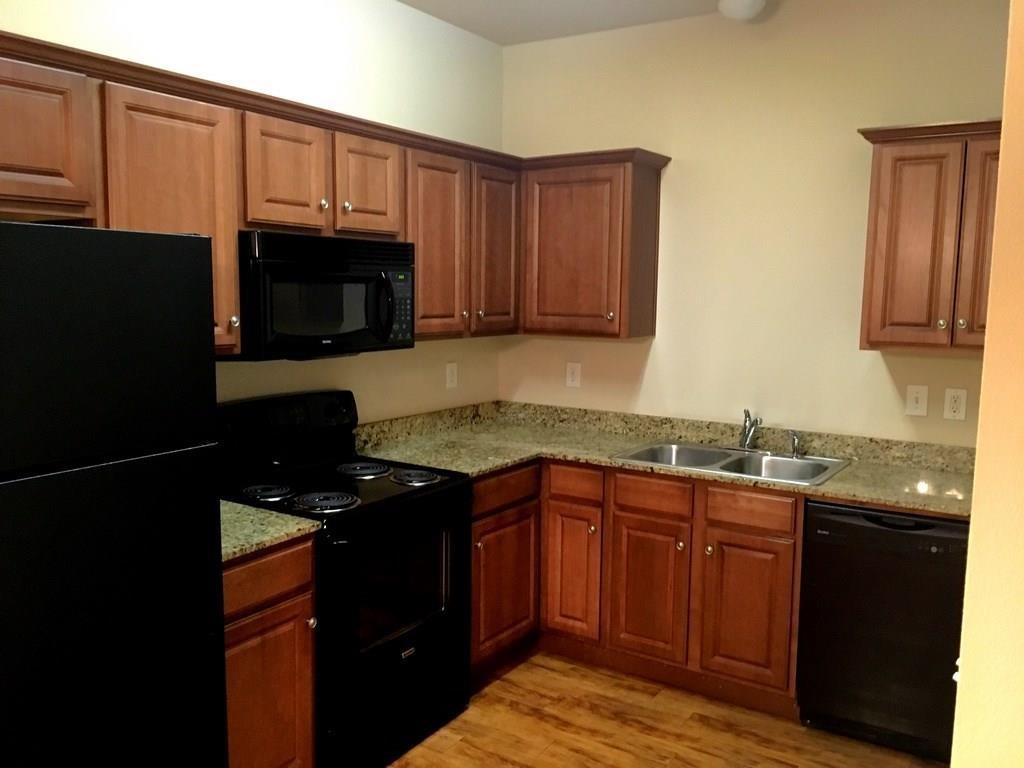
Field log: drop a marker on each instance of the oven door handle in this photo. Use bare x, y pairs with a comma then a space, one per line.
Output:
386, 307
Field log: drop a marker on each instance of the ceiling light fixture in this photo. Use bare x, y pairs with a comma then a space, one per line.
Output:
740, 10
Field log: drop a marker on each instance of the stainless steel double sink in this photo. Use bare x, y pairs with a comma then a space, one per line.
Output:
738, 462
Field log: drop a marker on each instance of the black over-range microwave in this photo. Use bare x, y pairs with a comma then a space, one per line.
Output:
305, 296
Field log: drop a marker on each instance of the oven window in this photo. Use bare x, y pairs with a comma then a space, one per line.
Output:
318, 308
403, 582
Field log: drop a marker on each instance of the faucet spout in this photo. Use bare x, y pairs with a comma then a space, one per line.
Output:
750, 427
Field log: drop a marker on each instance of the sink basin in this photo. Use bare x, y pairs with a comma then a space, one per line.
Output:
678, 455
775, 467
734, 462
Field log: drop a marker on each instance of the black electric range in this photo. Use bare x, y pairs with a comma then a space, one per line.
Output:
392, 569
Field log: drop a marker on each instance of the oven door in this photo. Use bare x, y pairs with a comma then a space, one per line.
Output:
313, 313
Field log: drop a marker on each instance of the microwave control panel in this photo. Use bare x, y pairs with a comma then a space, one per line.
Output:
401, 282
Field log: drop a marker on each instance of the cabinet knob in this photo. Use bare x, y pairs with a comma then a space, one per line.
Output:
324, 203
942, 324
709, 549
312, 622
610, 316
479, 545
961, 323
465, 314
680, 545
235, 321
592, 530
480, 314
347, 206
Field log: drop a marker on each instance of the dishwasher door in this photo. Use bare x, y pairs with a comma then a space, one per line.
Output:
880, 612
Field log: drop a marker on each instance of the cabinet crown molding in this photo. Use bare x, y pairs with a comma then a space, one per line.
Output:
931, 131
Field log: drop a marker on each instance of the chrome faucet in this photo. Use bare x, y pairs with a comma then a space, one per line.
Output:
750, 427
794, 444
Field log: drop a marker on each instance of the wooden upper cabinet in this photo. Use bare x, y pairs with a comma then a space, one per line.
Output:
269, 667
504, 579
48, 143
173, 166
494, 258
572, 568
437, 188
368, 181
976, 241
930, 221
286, 179
747, 606
592, 245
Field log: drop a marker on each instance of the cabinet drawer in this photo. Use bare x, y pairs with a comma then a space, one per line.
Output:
656, 494
752, 509
576, 482
505, 489
261, 581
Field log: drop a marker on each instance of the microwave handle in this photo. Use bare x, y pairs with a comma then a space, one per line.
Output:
387, 305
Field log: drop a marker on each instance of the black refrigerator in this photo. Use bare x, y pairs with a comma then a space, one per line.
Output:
111, 616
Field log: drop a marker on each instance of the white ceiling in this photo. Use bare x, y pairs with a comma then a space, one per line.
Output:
508, 22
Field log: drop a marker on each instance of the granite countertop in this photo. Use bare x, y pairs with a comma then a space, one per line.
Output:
244, 530
478, 449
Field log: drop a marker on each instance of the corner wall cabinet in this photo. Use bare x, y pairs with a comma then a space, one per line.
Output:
929, 246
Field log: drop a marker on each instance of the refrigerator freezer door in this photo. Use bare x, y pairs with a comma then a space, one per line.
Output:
111, 616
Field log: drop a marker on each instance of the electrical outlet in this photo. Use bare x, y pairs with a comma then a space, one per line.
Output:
956, 405
451, 375
917, 400
573, 374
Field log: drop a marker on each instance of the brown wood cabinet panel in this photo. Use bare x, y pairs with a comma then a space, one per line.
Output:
504, 579
285, 172
172, 166
575, 482
753, 509
368, 179
572, 568
436, 198
912, 243
648, 585
658, 495
747, 606
47, 146
495, 250
269, 660
501, 490
254, 583
976, 241
574, 249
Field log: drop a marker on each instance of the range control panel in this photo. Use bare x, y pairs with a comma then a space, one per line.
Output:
401, 282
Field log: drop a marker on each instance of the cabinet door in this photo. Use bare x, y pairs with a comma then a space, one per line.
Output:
46, 146
976, 241
572, 577
913, 238
437, 188
504, 579
495, 248
270, 687
368, 184
574, 249
172, 166
747, 606
649, 583
285, 172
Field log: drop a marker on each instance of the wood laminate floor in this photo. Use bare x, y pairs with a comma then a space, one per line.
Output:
551, 712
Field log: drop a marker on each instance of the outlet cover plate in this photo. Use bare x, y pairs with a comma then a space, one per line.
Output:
573, 374
955, 407
451, 375
917, 400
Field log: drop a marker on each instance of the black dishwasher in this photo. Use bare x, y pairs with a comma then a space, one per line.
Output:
880, 611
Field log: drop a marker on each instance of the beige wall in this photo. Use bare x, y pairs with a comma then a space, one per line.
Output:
377, 59
764, 205
990, 702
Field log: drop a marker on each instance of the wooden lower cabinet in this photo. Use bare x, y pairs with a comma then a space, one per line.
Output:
747, 606
572, 584
504, 580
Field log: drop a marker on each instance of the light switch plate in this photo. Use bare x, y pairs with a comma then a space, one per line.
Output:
451, 375
917, 400
956, 405
573, 374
